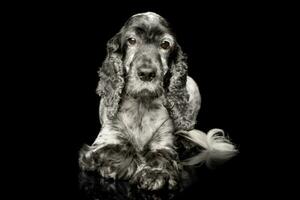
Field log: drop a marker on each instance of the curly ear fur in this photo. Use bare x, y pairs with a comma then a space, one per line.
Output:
177, 95
111, 83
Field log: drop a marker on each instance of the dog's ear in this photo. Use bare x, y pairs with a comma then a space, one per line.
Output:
111, 74
177, 96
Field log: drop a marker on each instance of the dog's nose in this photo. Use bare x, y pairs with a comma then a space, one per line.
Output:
146, 74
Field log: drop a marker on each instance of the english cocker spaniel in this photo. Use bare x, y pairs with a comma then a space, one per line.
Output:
147, 103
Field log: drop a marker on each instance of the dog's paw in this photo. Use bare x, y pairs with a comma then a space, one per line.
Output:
107, 172
154, 179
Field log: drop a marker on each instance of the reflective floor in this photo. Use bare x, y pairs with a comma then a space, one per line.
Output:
196, 183
95, 187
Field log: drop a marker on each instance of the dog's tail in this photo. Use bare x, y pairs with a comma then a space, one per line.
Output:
217, 147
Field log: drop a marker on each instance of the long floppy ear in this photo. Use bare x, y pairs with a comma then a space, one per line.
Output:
177, 96
111, 74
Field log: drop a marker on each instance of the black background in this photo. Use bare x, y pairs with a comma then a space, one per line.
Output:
61, 47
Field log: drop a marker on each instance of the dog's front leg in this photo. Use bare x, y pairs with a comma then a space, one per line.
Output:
160, 167
110, 156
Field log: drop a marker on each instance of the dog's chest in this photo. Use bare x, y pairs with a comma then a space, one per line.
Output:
142, 121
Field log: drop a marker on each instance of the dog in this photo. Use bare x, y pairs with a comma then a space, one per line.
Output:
148, 103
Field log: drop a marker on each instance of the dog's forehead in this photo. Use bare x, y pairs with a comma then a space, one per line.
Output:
148, 19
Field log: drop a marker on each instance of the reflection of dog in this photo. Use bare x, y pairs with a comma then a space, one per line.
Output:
146, 99
94, 187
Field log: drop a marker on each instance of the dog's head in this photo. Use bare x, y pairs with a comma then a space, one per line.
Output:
147, 44
145, 59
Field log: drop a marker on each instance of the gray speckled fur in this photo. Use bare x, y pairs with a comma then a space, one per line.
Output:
136, 141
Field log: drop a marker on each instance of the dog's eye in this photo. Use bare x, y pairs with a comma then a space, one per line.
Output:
131, 41
165, 44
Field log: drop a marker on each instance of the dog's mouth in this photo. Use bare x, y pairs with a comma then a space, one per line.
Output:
148, 94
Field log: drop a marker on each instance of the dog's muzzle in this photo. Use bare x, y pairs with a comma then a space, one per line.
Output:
146, 73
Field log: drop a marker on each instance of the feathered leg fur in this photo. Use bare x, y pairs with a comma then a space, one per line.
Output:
110, 156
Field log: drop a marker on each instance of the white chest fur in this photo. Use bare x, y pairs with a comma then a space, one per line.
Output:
142, 121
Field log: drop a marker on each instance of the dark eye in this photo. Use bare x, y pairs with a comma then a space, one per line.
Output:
131, 41
165, 44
